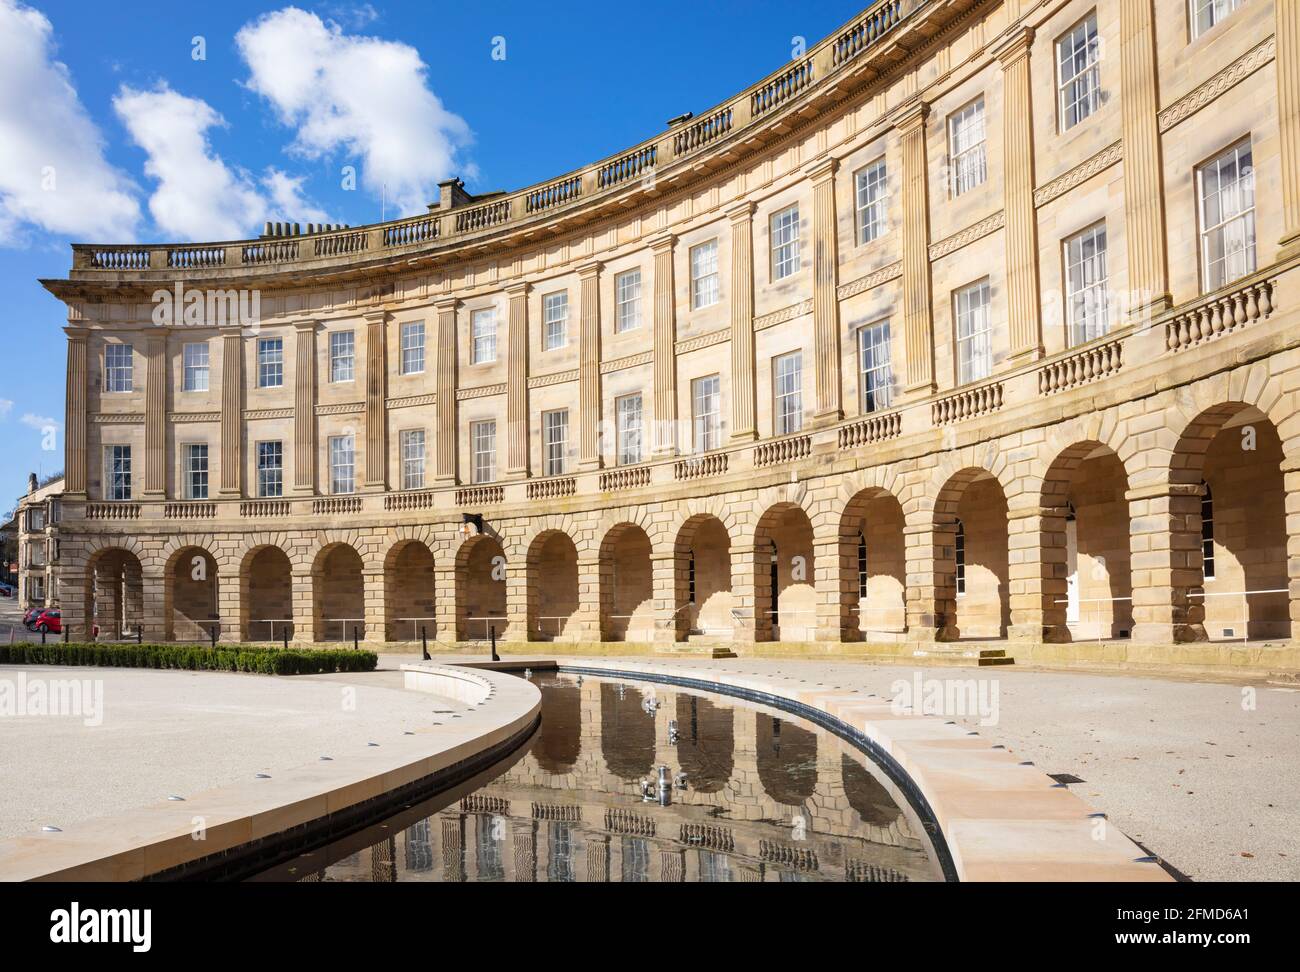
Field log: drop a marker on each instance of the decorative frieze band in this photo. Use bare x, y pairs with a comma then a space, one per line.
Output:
783, 315
875, 279
347, 408
407, 401
182, 417
1240, 69
118, 418
268, 413
987, 225
1080, 174
720, 336
558, 378
629, 361
482, 391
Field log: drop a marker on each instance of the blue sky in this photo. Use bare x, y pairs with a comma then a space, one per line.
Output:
146, 142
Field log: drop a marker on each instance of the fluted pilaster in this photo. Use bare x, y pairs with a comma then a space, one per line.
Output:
446, 409
589, 367
155, 415
1288, 118
304, 408
517, 382
743, 423
918, 326
1021, 233
74, 436
1144, 200
232, 405
376, 392
826, 306
665, 354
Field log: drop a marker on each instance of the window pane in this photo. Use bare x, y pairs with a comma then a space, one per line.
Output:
555, 321
966, 147
974, 333
484, 330
196, 471
342, 464
628, 409
871, 202
117, 472
627, 292
1078, 57
1227, 190
555, 441
787, 386
705, 288
118, 368
270, 466
270, 362
707, 417
412, 451
195, 364
412, 348
877, 369
342, 356
785, 243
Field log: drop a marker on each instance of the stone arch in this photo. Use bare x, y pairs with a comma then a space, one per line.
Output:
702, 579
191, 603
409, 604
266, 592
872, 568
971, 563
114, 594
627, 610
553, 588
1087, 587
706, 742
627, 732
481, 579
786, 755
338, 593
1227, 463
785, 596
559, 741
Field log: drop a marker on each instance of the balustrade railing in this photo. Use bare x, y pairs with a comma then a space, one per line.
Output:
627, 477
196, 257
277, 251
423, 499
783, 450
967, 404
480, 495
254, 509
701, 133
112, 511
1220, 313
1080, 368
554, 488
418, 231
630, 166
697, 467
189, 511
873, 428
335, 505
555, 194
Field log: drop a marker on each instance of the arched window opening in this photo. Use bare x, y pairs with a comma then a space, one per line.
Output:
959, 554
862, 565
1207, 530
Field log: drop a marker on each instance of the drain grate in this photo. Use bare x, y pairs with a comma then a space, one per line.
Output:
1066, 778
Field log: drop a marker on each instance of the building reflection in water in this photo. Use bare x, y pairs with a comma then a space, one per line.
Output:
767, 798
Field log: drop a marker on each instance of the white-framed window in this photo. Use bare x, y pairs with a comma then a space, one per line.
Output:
343, 468
1207, 531
555, 441
342, 356
1085, 284
627, 411
555, 320
196, 471
411, 442
966, 147
117, 472
787, 393
194, 364
270, 469
876, 367
974, 332
706, 287
1078, 72
483, 450
959, 557
1226, 185
1208, 13
627, 300
119, 368
785, 242
706, 411
412, 350
483, 332
270, 362
871, 183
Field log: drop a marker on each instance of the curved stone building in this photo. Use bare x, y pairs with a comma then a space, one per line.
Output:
971, 323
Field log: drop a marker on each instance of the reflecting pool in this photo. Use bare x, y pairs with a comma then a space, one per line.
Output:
635, 781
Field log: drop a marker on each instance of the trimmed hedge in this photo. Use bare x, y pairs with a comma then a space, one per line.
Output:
224, 658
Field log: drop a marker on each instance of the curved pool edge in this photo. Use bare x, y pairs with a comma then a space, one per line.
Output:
998, 818
158, 840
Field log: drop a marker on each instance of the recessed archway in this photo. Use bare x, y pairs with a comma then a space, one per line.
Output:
787, 760
114, 594
552, 586
627, 732
338, 594
626, 585
785, 599
266, 595
971, 582
480, 589
873, 568
706, 743
408, 592
190, 611
702, 580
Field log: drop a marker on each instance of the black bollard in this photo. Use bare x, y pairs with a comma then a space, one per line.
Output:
139, 634
42, 636
354, 637
285, 632
214, 637
65, 634
424, 642
492, 633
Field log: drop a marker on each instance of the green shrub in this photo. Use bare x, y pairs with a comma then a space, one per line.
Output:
223, 658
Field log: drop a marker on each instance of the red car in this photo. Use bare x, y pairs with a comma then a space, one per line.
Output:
48, 620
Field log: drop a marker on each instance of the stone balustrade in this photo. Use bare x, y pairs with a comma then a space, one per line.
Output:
335, 505
112, 511
626, 477
480, 496
789, 449
701, 133
967, 404
555, 487
873, 428
256, 509
1080, 368
190, 511
423, 499
1220, 313
698, 467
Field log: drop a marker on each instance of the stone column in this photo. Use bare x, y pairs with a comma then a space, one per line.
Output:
829, 586
74, 436
584, 623
445, 455
372, 588
232, 413
376, 395
304, 408
444, 598
663, 580
743, 404
1165, 544
517, 581
1291, 482
1021, 232
931, 579
1144, 199
517, 383
665, 349
150, 613
826, 305
72, 602
918, 324
155, 415
304, 608
589, 367
746, 561
1036, 574
1287, 32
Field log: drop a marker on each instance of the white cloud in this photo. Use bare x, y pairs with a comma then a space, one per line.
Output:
6, 406
199, 196
39, 422
363, 96
53, 174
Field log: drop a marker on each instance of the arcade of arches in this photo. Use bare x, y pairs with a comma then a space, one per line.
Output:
1074, 535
